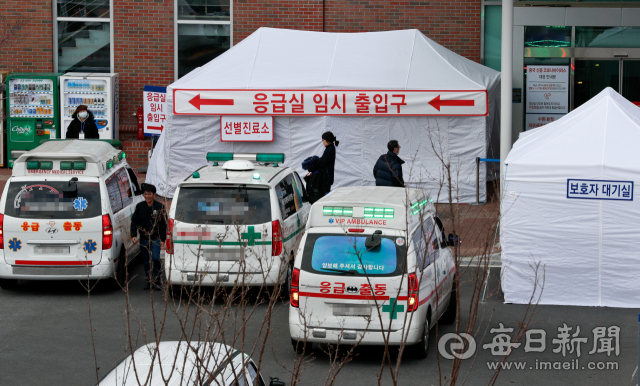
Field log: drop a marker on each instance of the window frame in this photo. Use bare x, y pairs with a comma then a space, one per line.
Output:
109, 20
177, 22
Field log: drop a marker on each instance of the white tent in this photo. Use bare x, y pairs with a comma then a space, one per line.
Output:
585, 237
302, 60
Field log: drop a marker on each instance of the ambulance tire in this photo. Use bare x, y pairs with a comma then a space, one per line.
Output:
301, 347
120, 271
8, 283
288, 284
449, 315
420, 350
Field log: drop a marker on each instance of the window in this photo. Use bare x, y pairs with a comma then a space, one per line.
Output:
550, 36
202, 32
607, 37
425, 244
228, 205
46, 200
493, 36
84, 31
120, 195
289, 192
327, 253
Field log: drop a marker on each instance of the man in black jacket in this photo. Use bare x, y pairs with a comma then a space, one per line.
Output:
388, 168
150, 218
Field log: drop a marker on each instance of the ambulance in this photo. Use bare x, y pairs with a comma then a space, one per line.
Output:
236, 221
371, 262
65, 213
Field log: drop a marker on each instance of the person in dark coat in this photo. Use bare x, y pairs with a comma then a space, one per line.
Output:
328, 159
150, 219
388, 169
83, 123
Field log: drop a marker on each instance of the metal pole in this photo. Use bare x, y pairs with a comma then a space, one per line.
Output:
506, 85
477, 180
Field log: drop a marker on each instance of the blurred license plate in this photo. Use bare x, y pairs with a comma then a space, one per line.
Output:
223, 254
351, 310
51, 249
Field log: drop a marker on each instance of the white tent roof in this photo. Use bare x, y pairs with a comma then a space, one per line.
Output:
290, 59
588, 249
598, 140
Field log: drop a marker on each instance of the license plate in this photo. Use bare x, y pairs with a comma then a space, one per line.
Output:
223, 254
341, 309
52, 249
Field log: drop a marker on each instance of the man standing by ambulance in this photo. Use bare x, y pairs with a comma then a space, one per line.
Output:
150, 219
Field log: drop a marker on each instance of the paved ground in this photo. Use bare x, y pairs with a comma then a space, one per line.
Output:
45, 338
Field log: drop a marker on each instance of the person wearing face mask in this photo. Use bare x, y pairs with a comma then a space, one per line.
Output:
83, 125
388, 169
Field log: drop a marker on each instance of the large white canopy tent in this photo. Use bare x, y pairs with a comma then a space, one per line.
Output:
302, 60
585, 241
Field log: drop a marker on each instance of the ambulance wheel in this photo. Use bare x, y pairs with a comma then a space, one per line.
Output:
449, 315
301, 347
8, 283
420, 350
120, 270
289, 275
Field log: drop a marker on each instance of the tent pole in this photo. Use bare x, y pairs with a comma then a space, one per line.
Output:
477, 180
506, 82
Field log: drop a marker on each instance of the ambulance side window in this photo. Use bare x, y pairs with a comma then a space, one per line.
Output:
115, 197
425, 244
125, 187
289, 196
134, 179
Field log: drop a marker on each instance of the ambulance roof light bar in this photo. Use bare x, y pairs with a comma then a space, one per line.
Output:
252, 157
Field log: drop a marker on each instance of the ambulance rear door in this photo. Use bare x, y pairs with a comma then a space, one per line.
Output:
49, 223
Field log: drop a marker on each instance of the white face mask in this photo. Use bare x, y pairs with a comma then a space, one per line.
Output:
83, 114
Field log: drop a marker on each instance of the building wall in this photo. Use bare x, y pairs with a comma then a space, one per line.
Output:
143, 51
32, 51
453, 23
144, 35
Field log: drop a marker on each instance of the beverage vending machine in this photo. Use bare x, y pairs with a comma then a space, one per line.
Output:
32, 111
97, 91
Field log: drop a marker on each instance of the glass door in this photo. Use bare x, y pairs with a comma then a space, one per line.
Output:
593, 76
631, 80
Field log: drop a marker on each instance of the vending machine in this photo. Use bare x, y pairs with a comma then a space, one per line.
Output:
32, 107
97, 91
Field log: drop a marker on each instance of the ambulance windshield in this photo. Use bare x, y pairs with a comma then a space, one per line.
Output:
223, 205
46, 200
331, 253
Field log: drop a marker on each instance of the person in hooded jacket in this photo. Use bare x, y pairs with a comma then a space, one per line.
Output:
388, 169
83, 125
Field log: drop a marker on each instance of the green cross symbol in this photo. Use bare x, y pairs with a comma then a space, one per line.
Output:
392, 308
251, 236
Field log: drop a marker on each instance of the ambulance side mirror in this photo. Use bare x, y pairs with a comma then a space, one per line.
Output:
454, 240
374, 240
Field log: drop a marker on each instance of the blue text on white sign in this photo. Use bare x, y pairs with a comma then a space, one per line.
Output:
600, 189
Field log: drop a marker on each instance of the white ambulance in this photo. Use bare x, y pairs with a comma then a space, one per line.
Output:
236, 221
372, 261
65, 213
